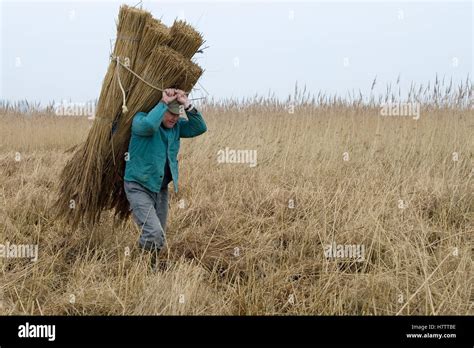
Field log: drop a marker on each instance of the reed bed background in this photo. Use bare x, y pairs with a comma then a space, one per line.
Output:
237, 246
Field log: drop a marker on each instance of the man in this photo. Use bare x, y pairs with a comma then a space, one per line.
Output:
152, 163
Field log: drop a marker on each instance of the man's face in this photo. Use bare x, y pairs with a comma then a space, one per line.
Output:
170, 119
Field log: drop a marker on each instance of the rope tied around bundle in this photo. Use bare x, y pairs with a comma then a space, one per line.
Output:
124, 95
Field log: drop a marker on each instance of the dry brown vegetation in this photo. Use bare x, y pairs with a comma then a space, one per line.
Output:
417, 258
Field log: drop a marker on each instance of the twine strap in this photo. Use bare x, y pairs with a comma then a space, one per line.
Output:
124, 96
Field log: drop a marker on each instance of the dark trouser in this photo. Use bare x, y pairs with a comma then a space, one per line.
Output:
149, 210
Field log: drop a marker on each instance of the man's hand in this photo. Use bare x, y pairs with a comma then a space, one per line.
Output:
182, 98
169, 95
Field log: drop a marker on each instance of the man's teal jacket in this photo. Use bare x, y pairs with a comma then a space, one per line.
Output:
150, 143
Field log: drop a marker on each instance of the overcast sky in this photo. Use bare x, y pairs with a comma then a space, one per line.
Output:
60, 49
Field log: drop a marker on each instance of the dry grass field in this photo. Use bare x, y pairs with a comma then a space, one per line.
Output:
250, 240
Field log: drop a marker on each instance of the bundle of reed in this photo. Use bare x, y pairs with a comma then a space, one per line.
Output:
192, 73
155, 34
81, 178
185, 39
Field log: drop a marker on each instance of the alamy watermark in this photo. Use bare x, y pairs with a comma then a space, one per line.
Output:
237, 156
66, 108
345, 251
37, 331
401, 109
27, 251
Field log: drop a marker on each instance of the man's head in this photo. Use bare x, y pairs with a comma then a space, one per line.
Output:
171, 115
